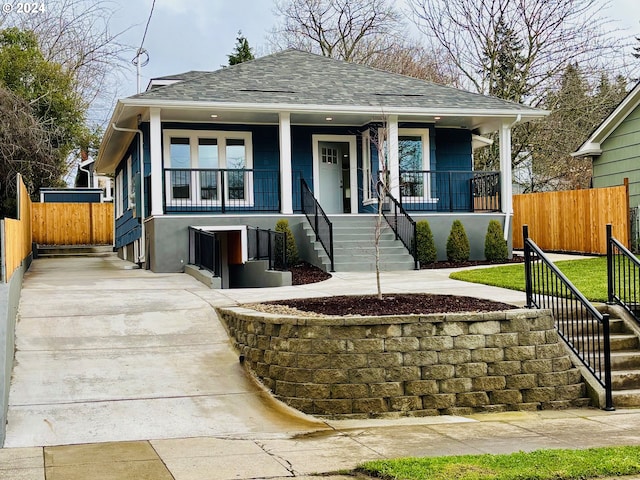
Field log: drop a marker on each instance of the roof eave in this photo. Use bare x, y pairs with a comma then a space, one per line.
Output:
609, 124
525, 112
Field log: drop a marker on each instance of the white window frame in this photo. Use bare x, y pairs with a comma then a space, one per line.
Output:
221, 136
423, 133
367, 197
119, 197
130, 185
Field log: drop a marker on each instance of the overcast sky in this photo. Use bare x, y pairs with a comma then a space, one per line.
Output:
199, 34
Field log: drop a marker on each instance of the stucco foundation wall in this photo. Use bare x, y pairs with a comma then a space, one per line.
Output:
9, 301
412, 365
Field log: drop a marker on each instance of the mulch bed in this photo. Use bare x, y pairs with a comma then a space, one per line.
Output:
304, 273
471, 263
393, 304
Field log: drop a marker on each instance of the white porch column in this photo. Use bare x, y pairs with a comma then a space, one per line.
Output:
506, 187
393, 157
155, 147
286, 187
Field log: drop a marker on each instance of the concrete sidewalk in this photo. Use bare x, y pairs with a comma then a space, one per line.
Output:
342, 447
127, 374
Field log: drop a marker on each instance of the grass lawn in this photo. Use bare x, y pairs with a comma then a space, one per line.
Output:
588, 275
537, 465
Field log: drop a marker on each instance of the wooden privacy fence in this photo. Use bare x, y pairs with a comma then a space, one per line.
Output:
72, 223
572, 220
16, 234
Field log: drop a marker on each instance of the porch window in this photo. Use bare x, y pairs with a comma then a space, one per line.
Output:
413, 161
180, 159
208, 158
208, 166
367, 179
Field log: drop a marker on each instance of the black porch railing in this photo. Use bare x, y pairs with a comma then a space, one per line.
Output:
623, 276
402, 225
450, 191
221, 190
204, 250
583, 328
267, 245
318, 220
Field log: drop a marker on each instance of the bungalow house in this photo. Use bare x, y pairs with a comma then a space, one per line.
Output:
614, 149
294, 133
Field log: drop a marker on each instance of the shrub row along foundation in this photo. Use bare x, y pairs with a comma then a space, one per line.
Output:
413, 364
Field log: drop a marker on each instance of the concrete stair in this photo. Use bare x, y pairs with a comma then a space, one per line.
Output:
354, 246
61, 251
625, 356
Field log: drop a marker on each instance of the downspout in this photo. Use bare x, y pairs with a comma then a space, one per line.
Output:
88, 175
509, 213
142, 197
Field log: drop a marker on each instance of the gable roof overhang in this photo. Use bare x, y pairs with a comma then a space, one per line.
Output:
593, 146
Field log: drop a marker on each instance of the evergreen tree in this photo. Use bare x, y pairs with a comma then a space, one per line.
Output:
242, 53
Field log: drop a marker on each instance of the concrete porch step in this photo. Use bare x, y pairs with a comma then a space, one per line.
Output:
625, 379
49, 251
626, 398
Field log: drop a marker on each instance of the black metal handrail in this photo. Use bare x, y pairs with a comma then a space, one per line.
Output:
450, 191
402, 224
623, 276
204, 250
221, 190
583, 328
267, 245
318, 220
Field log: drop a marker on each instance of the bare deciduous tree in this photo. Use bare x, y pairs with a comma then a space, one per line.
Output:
350, 30
25, 147
371, 32
548, 34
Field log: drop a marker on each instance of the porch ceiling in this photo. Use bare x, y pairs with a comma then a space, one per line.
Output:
127, 115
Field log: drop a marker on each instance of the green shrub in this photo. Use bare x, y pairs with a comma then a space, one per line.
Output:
495, 246
292, 250
425, 243
458, 249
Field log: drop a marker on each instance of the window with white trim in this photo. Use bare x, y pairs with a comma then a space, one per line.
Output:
414, 165
199, 162
119, 201
367, 179
130, 184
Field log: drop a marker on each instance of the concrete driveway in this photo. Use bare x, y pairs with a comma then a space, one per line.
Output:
105, 354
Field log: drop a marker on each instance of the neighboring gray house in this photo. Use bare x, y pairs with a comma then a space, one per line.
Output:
230, 148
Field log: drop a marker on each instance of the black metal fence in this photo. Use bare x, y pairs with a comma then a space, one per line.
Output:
450, 191
623, 276
267, 245
402, 225
221, 190
318, 220
204, 250
584, 329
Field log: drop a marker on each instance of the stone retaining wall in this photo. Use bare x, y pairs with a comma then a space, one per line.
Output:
413, 364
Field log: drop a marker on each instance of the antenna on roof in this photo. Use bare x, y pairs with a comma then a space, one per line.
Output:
141, 51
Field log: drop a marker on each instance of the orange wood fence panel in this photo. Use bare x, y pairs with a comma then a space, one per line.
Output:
73, 223
17, 233
572, 220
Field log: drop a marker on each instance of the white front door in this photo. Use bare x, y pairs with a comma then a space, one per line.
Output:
334, 176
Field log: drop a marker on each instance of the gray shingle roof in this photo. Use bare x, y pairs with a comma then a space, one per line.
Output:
301, 78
